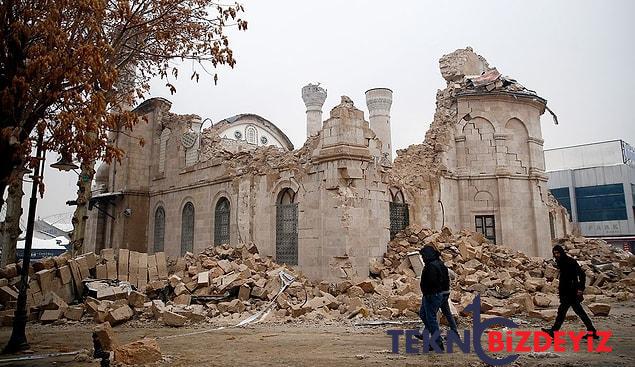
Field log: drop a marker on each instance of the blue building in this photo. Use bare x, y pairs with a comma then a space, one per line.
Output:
596, 183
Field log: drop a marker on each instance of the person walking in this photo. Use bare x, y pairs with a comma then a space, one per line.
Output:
434, 280
570, 291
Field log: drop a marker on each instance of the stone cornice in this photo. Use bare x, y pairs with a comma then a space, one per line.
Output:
340, 151
529, 99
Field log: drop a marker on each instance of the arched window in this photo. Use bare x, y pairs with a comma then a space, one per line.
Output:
221, 222
251, 135
552, 225
187, 229
399, 214
287, 228
159, 229
163, 143
286, 196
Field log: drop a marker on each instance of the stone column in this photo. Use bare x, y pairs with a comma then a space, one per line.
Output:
313, 96
379, 101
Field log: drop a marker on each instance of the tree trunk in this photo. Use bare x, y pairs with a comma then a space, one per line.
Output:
80, 216
10, 228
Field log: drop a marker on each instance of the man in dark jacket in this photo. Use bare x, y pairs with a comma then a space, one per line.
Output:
570, 290
434, 280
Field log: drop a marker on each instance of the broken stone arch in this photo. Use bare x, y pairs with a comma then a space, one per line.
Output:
473, 120
486, 199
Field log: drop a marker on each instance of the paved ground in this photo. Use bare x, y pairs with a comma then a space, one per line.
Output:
278, 345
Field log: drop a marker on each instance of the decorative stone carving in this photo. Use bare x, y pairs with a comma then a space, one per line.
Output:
188, 139
313, 95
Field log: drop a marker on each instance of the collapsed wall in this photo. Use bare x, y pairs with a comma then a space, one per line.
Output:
481, 164
328, 206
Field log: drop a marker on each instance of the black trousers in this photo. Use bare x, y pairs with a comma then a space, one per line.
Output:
565, 303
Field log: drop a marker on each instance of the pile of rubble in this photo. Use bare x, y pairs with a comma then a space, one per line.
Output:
227, 284
509, 281
249, 159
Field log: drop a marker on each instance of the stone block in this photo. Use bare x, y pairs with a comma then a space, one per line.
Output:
546, 315
180, 289
136, 299
183, 299
368, 286
49, 316
124, 256
153, 272
91, 260
162, 266
101, 271
65, 274
244, 292
111, 269
74, 313
119, 315
7, 294
203, 279
355, 291
106, 336
45, 278
173, 319
157, 307
53, 302
600, 309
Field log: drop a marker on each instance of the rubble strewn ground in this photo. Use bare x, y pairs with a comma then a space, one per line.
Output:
225, 284
315, 344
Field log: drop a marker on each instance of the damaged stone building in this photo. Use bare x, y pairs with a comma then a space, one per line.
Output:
332, 205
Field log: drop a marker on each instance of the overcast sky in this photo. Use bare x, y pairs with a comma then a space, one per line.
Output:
578, 55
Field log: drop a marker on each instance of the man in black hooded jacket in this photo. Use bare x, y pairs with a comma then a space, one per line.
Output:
570, 290
434, 280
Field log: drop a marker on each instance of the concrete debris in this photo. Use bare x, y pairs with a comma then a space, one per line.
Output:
235, 282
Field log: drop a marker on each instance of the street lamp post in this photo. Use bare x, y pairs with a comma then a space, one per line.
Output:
18, 341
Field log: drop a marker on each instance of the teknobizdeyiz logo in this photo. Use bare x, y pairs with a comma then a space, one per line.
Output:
497, 342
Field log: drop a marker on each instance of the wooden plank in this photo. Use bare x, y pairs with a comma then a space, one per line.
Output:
162, 265
142, 275
123, 264
153, 273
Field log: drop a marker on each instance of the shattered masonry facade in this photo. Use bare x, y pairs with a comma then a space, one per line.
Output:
328, 206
